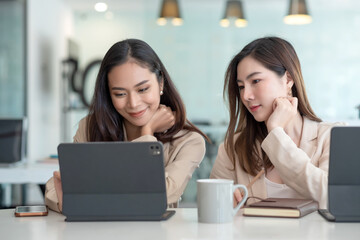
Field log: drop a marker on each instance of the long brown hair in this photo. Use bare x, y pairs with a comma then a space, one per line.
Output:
104, 123
279, 56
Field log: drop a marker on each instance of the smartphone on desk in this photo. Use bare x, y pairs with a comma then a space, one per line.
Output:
28, 211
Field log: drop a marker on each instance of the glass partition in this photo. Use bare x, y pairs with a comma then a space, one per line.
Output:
12, 58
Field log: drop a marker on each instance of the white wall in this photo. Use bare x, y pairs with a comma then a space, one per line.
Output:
197, 53
49, 22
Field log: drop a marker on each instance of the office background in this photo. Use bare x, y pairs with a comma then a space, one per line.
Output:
196, 54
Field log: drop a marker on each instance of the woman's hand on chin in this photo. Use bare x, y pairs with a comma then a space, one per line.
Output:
162, 120
284, 110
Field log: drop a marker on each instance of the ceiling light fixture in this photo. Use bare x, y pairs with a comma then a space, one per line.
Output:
234, 12
298, 13
170, 10
100, 7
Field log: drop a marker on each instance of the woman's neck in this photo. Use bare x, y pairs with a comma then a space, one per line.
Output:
294, 129
132, 132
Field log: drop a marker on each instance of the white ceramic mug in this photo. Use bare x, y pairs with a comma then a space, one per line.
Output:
215, 200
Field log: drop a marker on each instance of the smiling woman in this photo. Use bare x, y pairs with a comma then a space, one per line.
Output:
135, 93
136, 100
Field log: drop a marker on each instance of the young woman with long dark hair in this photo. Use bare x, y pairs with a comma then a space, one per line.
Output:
272, 127
136, 100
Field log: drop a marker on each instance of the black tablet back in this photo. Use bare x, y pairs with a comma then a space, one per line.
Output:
344, 176
108, 181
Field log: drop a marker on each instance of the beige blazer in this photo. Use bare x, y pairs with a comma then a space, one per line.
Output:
303, 168
182, 156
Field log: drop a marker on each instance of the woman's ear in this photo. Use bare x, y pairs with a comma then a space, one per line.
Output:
161, 85
289, 80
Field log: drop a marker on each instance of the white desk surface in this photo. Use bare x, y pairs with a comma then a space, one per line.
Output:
35, 172
183, 225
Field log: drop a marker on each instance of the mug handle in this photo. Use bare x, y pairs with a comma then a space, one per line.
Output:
236, 209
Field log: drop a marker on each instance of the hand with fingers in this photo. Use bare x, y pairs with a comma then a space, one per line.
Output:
284, 110
237, 197
162, 120
58, 188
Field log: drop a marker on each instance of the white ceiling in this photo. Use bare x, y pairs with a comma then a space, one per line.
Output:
88, 5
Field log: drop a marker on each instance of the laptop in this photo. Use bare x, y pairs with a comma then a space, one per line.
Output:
12, 141
344, 176
113, 181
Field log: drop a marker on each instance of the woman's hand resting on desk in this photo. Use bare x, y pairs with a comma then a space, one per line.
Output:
162, 120
58, 188
284, 110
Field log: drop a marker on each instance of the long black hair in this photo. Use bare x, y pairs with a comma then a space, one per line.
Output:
279, 56
104, 123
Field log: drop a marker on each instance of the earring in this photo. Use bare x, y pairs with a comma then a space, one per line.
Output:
289, 93
161, 92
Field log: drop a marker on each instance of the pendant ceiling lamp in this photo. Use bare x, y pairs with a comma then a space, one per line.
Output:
170, 11
298, 13
234, 12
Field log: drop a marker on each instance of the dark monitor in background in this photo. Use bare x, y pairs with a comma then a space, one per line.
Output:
12, 140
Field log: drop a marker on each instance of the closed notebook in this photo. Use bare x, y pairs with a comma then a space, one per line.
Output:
281, 207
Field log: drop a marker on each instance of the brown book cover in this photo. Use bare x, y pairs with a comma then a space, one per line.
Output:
281, 207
